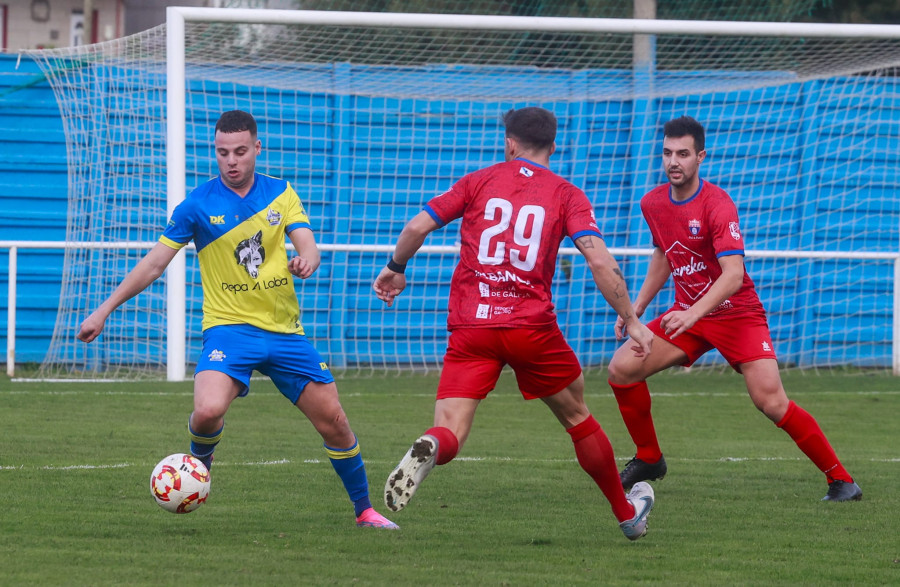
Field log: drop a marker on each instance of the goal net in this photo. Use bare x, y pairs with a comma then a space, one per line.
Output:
370, 115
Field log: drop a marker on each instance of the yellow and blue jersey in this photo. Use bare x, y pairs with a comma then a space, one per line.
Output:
241, 249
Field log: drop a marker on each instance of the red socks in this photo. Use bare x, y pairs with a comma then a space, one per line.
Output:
805, 431
594, 452
448, 444
634, 404
595, 455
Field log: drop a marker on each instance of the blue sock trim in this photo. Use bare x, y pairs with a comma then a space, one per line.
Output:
349, 466
203, 445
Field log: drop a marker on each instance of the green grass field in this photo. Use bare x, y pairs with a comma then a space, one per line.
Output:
740, 505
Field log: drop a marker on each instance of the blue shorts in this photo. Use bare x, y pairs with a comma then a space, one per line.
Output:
290, 360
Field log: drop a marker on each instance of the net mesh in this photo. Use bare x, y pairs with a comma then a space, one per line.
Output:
368, 123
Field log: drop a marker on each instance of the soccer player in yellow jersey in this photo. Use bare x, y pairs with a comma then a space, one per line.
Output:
238, 222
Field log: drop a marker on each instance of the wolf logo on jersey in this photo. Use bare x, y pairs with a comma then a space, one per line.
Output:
251, 254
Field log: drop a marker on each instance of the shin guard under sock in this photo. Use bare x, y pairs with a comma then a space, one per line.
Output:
634, 405
203, 445
596, 457
349, 466
805, 431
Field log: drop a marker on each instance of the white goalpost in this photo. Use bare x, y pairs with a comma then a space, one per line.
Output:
370, 114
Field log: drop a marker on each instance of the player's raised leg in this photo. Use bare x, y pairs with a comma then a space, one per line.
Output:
437, 446
406, 477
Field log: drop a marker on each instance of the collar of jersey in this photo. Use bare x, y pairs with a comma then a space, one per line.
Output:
228, 190
531, 162
677, 203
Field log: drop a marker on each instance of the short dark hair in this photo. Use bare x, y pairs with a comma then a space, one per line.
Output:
684, 126
236, 121
532, 126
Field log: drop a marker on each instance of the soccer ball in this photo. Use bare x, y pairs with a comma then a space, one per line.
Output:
180, 483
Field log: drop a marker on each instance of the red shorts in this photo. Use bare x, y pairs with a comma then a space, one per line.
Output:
542, 360
740, 339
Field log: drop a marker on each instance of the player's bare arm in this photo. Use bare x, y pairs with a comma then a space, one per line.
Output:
658, 272
148, 270
391, 282
722, 288
308, 256
611, 282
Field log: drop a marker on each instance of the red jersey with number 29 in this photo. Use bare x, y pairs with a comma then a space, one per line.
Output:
693, 234
514, 217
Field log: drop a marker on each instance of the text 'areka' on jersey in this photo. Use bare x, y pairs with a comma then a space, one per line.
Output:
693, 234
241, 248
515, 215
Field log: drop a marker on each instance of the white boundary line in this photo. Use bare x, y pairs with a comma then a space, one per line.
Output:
314, 461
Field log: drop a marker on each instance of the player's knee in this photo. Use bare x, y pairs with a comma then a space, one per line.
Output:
335, 429
620, 373
773, 405
340, 422
569, 408
206, 419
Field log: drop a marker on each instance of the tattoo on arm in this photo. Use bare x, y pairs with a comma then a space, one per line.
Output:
585, 242
621, 290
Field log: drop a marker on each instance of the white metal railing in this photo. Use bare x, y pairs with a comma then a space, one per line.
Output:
11, 297
179, 333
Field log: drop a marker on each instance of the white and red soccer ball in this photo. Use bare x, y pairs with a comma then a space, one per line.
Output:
180, 483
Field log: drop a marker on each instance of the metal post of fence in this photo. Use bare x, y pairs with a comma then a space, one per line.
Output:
895, 341
11, 314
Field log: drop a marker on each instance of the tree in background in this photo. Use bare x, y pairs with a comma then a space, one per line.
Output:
533, 49
858, 11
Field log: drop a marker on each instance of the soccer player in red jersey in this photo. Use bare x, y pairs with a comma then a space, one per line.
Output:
514, 216
697, 240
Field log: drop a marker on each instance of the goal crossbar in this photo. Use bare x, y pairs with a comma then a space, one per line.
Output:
532, 23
